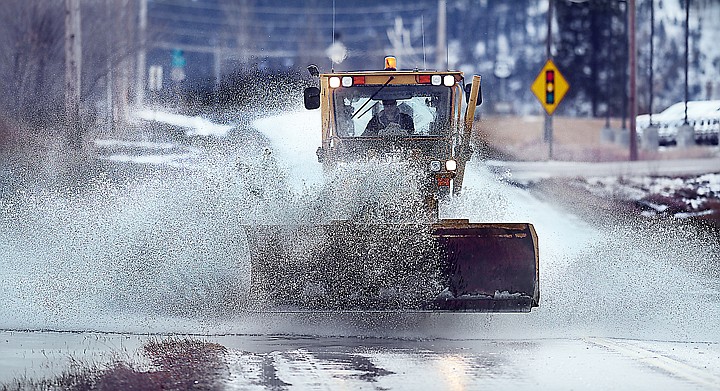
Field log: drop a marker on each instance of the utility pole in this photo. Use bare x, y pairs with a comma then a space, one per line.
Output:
441, 48
608, 70
687, 55
652, 54
624, 6
73, 51
124, 66
110, 72
633, 93
548, 135
142, 54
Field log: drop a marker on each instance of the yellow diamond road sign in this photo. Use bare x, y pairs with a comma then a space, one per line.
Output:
550, 87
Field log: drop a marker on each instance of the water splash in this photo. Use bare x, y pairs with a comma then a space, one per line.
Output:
164, 251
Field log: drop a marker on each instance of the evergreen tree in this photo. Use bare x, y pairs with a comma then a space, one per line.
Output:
590, 52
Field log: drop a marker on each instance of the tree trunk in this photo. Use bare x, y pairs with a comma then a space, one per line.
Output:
72, 72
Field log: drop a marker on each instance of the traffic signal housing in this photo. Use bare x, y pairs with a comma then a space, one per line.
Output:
550, 87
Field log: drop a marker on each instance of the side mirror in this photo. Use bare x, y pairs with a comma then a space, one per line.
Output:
468, 88
313, 69
312, 98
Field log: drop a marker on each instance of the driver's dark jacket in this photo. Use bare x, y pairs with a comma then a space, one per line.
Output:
381, 121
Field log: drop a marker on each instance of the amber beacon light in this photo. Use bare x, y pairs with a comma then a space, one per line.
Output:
390, 63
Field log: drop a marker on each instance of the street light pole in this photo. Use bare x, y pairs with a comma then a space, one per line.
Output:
441, 48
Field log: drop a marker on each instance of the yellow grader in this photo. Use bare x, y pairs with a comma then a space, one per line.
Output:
423, 118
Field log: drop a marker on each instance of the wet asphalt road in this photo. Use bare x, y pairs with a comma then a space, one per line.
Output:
283, 362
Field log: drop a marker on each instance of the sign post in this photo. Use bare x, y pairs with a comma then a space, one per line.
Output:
177, 73
549, 88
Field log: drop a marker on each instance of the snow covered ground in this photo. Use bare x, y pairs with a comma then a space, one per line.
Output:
195, 126
693, 196
684, 188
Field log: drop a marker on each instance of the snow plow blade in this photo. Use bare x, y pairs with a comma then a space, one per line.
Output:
490, 267
452, 266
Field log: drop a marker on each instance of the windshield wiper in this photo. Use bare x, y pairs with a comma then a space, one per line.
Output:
368, 109
371, 97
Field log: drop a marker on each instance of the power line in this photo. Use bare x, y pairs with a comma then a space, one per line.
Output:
165, 16
228, 52
285, 10
224, 38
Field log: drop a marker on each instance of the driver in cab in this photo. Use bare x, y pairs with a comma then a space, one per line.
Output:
390, 121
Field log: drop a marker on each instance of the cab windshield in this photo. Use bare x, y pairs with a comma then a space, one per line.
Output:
396, 110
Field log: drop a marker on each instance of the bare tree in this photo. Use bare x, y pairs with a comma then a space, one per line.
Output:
31, 41
32, 59
111, 43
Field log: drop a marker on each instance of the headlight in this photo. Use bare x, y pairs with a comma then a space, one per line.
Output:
334, 82
451, 165
347, 81
435, 166
449, 80
436, 80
